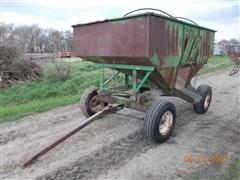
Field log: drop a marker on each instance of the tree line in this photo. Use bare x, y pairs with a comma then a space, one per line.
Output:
34, 39
220, 45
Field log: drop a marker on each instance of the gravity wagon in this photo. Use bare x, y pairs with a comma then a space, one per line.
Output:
155, 56
158, 55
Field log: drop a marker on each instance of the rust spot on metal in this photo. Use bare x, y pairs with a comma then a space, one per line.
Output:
169, 75
147, 40
112, 39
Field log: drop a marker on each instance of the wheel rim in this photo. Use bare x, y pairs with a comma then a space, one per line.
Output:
207, 101
166, 122
95, 104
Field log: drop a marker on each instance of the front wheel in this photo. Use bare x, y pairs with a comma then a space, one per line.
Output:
90, 102
206, 92
159, 121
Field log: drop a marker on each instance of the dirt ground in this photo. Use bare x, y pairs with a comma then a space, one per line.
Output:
115, 147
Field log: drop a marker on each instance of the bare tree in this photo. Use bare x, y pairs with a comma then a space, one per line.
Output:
221, 44
34, 39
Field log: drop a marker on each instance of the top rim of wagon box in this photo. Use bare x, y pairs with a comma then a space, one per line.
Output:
142, 14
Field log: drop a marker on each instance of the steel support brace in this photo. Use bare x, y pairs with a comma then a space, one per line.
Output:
127, 79
135, 80
109, 80
143, 81
131, 67
102, 79
136, 86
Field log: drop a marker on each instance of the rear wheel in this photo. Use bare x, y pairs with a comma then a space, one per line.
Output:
159, 121
90, 102
206, 92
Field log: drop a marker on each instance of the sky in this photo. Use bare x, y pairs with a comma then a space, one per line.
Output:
220, 15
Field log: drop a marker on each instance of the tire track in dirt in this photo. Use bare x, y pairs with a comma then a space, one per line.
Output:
100, 161
10, 136
231, 136
109, 157
102, 132
36, 122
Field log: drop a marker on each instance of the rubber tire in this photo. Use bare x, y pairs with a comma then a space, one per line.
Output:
153, 117
202, 90
85, 101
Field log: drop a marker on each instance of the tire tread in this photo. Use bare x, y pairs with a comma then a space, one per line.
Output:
202, 90
84, 101
150, 119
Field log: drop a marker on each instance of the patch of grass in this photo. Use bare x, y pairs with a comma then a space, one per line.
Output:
179, 174
233, 172
195, 175
189, 176
216, 63
25, 98
16, 111
59, 70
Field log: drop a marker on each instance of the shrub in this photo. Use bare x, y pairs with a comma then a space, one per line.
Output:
58, 70
13, 68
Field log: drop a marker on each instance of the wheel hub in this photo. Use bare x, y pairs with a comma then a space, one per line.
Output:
166, 122
207, 101
96, 104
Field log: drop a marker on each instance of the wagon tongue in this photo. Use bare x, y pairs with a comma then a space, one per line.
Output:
100, 114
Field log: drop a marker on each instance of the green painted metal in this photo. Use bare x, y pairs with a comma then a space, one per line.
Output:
187, 50
143, 81
120, 21
156, 54
131, 67
171, 61
135, 80
154, 59
126, 102
110, 79
127, 79
136, 86
102, 79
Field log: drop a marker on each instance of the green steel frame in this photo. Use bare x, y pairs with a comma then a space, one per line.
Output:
122, 94
136, 85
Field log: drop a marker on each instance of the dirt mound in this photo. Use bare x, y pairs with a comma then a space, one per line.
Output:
13, 68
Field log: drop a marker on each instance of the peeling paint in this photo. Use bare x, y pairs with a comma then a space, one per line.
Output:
154, 59
150, 40
171, 61
124, 21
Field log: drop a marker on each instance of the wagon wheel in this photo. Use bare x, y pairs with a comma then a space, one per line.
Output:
90, 102
206, 92
159, 121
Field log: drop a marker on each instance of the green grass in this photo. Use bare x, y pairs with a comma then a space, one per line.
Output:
36, 96
26, 98
216, 63
195, 175
233, 172
17, 111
